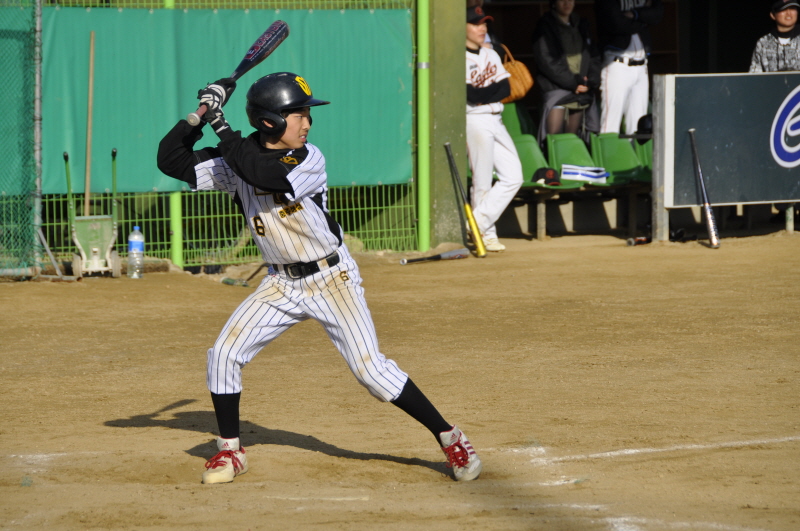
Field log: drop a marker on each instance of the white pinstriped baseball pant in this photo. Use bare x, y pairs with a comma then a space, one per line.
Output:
333, 297
625, 93
491, 149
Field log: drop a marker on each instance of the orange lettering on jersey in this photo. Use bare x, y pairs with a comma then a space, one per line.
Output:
289, 210
477, 79
289, 160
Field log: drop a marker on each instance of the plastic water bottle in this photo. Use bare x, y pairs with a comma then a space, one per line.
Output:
135, 253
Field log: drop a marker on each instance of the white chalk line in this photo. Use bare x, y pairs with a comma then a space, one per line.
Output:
628, 523
558, 482
677, 448
333, 499
633, 523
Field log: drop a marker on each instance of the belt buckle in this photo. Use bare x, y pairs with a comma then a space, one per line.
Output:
294, 271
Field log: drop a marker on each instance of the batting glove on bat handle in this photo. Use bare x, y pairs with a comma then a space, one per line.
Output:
212, 97
228, 84
218, 93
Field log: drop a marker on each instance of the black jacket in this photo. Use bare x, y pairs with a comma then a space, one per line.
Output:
614, 30
552, 70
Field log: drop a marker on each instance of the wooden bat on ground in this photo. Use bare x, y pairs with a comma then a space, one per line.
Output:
260, 50
480, 249
713, 234
449, 255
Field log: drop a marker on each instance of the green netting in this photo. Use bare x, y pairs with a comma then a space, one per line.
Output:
241, 4
373, 218
18, 170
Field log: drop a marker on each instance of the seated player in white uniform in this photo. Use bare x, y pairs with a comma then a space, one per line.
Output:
279, 182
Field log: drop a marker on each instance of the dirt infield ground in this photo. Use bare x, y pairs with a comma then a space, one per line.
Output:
605, 387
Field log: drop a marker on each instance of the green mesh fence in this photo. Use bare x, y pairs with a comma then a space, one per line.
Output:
214, 233
241, 4
18, 204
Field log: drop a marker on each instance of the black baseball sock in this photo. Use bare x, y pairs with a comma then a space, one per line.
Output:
226, 407
416, 404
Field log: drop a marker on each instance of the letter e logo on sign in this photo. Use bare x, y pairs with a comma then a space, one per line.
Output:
784, 141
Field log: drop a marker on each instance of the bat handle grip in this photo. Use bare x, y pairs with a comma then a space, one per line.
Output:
194, 117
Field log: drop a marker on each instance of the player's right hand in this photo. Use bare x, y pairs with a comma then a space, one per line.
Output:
213, 97
216, 94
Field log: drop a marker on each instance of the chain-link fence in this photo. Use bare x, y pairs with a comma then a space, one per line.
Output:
18, 190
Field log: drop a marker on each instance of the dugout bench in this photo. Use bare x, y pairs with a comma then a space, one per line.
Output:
629, 165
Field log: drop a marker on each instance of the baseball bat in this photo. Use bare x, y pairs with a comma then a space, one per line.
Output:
713, 235
480, 249
449, 255
260, 50
639, 240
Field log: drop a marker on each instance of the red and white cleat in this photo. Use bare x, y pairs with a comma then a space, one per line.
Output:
230, 462
461, 457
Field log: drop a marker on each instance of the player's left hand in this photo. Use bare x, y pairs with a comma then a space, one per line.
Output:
216, 118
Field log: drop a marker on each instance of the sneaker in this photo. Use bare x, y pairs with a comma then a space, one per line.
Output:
230, 462
461, 457
494, 245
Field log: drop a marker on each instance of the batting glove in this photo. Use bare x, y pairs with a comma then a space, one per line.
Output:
217, 94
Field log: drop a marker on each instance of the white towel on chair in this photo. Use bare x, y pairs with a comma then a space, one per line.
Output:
583, 173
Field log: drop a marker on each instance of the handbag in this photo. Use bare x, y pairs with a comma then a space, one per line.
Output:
521, 80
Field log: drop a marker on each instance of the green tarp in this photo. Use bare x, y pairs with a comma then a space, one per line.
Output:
149, 66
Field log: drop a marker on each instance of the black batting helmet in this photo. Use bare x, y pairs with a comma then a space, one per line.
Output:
274, 93
644, 127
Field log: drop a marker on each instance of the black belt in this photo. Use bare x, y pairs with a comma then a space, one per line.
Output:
630, 62
303, 269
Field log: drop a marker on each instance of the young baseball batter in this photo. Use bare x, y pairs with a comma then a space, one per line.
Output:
278, 180
491, 149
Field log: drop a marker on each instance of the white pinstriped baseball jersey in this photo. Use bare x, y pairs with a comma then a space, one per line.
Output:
289, 227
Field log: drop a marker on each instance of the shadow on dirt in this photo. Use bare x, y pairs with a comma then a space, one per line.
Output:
252, 434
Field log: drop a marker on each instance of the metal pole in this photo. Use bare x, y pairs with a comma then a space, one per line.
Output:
423, 126
88, 181
37, 122
176, 229
661, 106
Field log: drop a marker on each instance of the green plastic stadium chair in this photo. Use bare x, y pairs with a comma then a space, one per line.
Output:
568, 148
511, 119
532, 159
618, 156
